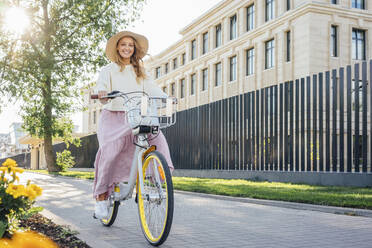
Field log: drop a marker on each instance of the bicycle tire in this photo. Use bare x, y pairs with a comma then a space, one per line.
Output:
154, 237
113, 212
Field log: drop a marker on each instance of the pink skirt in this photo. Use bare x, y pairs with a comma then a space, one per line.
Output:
116, 151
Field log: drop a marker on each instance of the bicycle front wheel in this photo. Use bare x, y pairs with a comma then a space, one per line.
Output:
156, 202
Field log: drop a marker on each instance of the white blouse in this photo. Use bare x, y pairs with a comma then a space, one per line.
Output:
110, 78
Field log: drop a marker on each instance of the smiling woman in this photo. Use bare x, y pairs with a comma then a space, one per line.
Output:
16, 20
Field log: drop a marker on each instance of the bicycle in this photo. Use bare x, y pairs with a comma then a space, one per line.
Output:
149, 172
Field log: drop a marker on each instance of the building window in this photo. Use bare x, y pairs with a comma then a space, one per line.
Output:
183, 58
173, 89
270, 8
205, 42
205, 79
94, 117
157, 72
250, 17
182, 88
166, 68
269, 54
174, 63
193, 49
165, 89
192, 84
233, 27
288, 43
233, 68
218, 70
288, 4
218, 35
358, 4
334, 1
250, 61
334, 34
359, 44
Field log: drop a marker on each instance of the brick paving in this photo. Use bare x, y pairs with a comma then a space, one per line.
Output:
202, 221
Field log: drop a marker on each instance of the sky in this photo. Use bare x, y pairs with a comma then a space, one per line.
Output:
160, 22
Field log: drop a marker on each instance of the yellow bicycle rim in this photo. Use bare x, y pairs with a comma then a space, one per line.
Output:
140, 200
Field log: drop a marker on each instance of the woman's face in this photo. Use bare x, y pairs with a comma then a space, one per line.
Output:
125, 47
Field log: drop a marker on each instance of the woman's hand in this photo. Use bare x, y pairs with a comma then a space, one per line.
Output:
102, 94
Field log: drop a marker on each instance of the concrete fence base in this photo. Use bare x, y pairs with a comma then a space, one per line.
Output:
312, 178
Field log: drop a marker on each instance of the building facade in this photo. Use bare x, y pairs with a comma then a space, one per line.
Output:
240, 46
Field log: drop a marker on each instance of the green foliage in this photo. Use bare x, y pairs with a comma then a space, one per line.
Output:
3, 226
65, 160
60, 51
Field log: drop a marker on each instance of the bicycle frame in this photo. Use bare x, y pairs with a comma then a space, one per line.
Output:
142, 145
136, 169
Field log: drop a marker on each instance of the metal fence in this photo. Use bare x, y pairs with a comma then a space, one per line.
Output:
319, 123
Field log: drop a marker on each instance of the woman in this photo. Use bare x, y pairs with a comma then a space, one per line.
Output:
116, 150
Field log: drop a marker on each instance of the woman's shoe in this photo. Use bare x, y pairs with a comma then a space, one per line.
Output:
101, 209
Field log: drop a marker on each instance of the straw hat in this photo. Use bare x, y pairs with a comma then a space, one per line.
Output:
113, 41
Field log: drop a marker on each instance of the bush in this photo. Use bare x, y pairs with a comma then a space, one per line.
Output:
65, 160
16, 200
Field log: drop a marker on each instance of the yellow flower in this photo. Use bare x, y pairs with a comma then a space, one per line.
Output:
28, 239
38, 190
15, 190
10, 163
30, 193
3, 169
17, 170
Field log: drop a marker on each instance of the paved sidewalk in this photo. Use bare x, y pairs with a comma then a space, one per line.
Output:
202, 221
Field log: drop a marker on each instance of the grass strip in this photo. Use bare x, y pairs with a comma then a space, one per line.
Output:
353, 197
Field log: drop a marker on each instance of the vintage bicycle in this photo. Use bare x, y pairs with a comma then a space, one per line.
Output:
149, 173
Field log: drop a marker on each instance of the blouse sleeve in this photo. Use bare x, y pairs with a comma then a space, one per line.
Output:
103, 80
152, 88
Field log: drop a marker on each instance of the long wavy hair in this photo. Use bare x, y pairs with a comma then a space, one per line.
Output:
135, 61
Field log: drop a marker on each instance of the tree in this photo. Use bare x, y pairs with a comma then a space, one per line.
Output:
62, 47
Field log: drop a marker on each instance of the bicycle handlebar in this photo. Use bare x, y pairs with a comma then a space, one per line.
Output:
116, 93
110, 95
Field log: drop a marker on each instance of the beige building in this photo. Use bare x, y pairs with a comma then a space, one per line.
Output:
240, 46
243, 45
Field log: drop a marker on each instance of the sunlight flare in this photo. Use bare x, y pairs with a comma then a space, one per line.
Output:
16, 20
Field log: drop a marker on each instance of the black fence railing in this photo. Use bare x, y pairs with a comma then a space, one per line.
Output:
320, 123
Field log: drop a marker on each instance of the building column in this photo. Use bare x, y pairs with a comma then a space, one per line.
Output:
225, 30
225, 75
211, 37
241, 69
241, 21
210, 83
259, 63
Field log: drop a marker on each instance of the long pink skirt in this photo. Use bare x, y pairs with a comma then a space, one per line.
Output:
116, 151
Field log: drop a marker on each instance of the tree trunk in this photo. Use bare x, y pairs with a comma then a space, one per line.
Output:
47, 91
49, 155
48, 138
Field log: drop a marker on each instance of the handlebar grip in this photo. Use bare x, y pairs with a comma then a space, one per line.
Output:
94, 96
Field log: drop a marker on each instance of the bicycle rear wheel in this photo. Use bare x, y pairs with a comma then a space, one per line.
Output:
156, 205
113, 212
